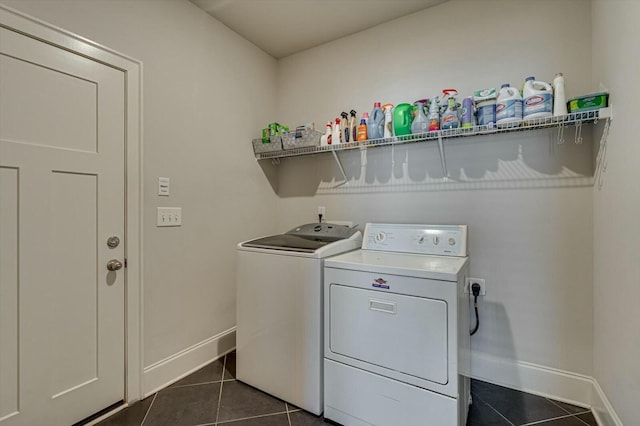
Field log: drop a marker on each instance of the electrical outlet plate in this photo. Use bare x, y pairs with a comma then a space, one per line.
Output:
169, 216
469, 281
321, 210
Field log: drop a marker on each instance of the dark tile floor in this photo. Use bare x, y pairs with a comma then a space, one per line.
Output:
212, 396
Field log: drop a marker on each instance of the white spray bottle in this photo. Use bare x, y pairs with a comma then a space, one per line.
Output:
326, 138
388, 120
336, 135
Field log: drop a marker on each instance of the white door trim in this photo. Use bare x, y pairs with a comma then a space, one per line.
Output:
132, 68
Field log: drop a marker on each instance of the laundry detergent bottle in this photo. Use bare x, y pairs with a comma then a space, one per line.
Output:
402, 119
362, 128
538, 99
375, 125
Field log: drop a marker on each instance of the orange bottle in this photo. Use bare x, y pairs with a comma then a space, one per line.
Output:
362, 128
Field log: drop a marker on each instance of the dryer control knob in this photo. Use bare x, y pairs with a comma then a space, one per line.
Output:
436, 240
380, 237
452, 241
420, 239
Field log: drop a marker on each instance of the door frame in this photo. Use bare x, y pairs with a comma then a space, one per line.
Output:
13, 19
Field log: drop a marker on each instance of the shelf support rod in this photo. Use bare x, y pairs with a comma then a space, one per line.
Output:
335, 157
442, 157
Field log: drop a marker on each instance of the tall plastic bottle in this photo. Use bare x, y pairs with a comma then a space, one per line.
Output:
450, 118
538, 99
353, 126
559, 99
326, 138
336, 135
375, 125
388, 120
402, 119
344, 127
362, 128
420, 123
434, 114
508, 106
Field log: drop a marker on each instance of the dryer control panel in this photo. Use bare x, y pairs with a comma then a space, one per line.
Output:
443, 240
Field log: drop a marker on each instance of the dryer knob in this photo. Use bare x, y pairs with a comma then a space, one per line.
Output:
436, 240
452, 241
380, 237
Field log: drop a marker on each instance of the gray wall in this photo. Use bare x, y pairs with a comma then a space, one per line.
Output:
523, 196
617, 212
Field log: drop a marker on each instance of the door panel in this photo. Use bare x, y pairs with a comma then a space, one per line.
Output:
67, 112
62, 150
9, 349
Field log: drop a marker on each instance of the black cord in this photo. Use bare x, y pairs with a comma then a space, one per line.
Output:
319, 217
475, 288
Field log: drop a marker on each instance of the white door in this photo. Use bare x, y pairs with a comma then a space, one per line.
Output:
61, 197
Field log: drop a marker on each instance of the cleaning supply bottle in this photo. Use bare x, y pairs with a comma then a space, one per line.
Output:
434, 114
375, 125
344, 127
559, 99
353, 127
326, 138
508, 106
538, 99
467, 118
450, 118
362, 128
402, 119
420, 122
336, 135
388, 120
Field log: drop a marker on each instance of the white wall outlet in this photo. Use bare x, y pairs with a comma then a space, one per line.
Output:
321, 210
469, 281
163, 186
169, 216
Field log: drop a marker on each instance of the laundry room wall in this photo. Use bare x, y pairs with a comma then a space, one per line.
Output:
201, 83
527, 200
616, 213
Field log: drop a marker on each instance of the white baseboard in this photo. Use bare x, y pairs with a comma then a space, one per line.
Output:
602, 410
167, 371
565, 386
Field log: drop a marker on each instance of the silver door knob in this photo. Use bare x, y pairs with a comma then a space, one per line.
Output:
114, 265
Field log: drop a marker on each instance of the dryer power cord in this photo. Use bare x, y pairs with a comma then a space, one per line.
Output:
475, 289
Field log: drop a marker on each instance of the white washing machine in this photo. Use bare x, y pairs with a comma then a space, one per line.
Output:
279, 310
396, 347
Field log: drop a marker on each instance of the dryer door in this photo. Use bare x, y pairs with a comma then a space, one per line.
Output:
406, 334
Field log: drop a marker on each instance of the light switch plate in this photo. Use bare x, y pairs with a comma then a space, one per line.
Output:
169, 216
163, 186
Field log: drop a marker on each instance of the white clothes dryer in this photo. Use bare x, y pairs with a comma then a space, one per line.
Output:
396, 347
279, 310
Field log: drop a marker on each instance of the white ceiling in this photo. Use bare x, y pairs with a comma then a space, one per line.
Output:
284, 27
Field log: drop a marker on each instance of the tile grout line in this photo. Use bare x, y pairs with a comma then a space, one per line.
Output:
567, 411
286, 407
548, 420
577, 414
230, 422
224, 366
490, 406
149, 409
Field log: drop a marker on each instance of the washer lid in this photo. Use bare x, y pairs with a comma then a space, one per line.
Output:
305, 238
443, 268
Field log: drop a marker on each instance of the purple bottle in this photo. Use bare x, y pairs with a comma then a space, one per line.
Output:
467, 112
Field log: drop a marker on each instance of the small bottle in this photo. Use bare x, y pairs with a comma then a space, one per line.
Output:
353, 127
326, 138
388, 120
434, 115
337, 133
559, 100
362, 128
344, 127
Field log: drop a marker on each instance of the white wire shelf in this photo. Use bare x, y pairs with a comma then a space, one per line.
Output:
573, 119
